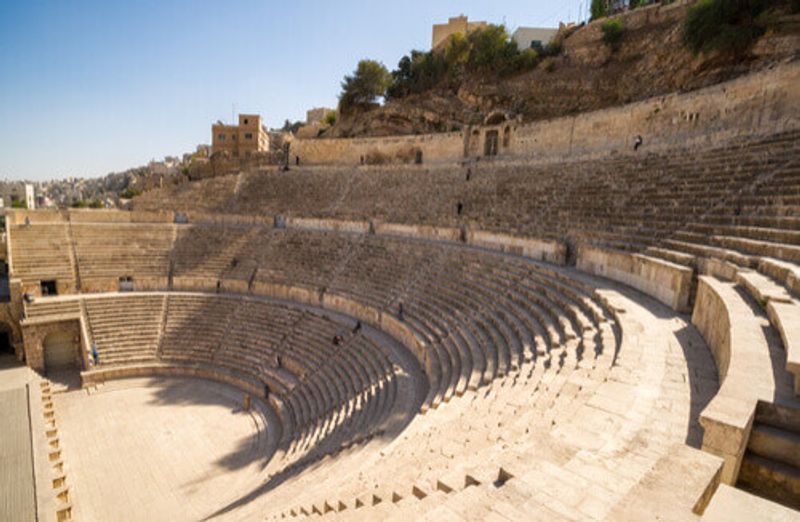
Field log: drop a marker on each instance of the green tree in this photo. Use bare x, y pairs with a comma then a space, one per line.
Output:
727, 25
368, 82
612, 32
599, 9
491, 49
330, 118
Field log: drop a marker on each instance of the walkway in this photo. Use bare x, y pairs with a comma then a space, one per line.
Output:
17, 491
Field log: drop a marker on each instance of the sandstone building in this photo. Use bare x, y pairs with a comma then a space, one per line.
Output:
317, 114
455, 25
533, 37
245, 139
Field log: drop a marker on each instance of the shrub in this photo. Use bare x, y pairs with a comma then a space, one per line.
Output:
130, 192
491, 50
363, 88
612, 32
330, 118
19, 203
599, 9
724, 25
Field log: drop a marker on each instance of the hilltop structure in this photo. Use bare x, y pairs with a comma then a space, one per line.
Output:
455, 25
533, 37
243, 140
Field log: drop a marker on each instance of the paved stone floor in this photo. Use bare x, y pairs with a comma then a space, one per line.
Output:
17, 495
160, 448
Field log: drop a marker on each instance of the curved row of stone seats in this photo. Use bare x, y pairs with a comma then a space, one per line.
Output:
471, 342
547, 432
325, 388
633, 201
42, 252
52, 306
753, 422
214, 252
125, 330
111, 250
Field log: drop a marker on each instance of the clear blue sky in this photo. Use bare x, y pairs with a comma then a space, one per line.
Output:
88, 87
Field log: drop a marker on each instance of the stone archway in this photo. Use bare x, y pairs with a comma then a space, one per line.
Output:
59, 336
61, 351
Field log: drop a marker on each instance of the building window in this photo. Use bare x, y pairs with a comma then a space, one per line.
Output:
221, 137
245, 121
248, 136
536, 44
126, 284
48, 288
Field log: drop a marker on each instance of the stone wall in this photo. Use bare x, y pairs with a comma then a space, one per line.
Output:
760, 103
35, 333
669, 283
17, 217
445, 147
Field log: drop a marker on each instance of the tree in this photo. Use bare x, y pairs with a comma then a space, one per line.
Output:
288, 126
363, 88
727, 25
612, 32
330, 118
491, 49
599, 9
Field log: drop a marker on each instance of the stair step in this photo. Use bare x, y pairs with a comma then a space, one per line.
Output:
783, 271
770, 479
762, 288
775, 444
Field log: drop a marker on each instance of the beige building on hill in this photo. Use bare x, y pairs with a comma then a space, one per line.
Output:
455, 25
533, 37
317, 114
244, 139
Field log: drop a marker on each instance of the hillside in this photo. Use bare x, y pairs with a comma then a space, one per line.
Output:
587, 75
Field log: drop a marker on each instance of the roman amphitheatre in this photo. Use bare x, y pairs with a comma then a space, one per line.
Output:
516, 320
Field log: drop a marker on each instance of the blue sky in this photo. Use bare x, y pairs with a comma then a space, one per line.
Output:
89, 87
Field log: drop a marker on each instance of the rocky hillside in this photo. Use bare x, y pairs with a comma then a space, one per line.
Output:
587, 75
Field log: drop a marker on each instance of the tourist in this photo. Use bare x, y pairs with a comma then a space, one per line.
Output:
266, 392
459, 208
247, 401
400, 313
278, 361
95, 355
27, 221
637, 143
357, 327
337, 340
297, 160
469, 174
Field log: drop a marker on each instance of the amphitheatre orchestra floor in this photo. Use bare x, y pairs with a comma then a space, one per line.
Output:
161, 448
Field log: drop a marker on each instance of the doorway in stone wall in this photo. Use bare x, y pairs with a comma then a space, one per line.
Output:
61, 360
6, 348
60, 352
491, 142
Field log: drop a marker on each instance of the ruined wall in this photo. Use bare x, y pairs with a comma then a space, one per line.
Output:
761, 103
395, 149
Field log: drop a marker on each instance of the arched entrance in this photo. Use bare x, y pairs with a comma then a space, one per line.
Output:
60, 351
